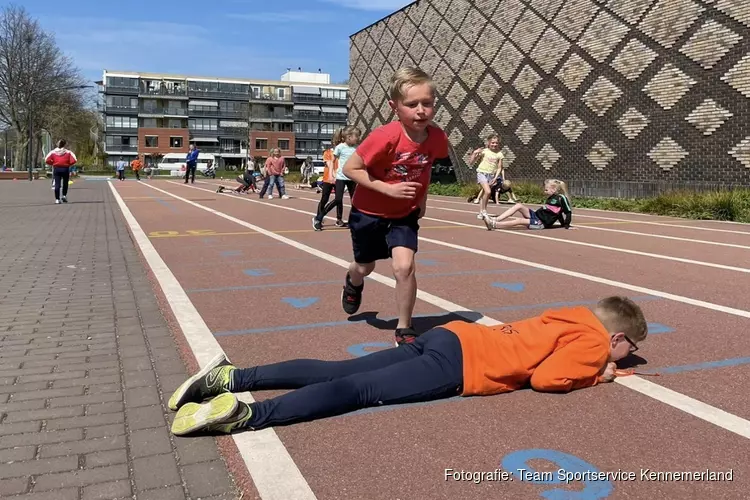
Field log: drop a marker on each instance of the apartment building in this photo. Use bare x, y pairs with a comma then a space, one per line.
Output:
147, 114
319, 109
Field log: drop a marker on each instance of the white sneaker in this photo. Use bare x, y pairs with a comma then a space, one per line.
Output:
481, 215
270, 197
57, 202
285, 197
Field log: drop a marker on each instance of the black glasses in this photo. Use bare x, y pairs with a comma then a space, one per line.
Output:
633, 347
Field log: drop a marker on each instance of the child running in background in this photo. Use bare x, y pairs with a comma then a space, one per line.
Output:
328, 179
350, 136
555, 209
246, 180
392, 168
559, 351
490, 169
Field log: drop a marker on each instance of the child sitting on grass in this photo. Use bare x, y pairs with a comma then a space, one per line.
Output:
555, 209
559, 351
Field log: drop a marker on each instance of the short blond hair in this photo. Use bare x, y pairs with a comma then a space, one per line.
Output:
405, 78
620, 314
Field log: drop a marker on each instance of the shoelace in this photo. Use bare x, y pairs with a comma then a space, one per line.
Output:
629, 372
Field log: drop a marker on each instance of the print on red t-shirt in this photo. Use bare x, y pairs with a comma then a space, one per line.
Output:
390, 156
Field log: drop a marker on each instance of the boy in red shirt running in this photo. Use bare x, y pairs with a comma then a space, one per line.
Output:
392, 169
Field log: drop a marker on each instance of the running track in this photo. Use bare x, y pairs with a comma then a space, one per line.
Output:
252, 278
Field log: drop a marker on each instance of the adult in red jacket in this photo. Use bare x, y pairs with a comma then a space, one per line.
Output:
61, 160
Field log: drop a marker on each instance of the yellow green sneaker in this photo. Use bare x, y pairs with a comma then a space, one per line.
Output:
213, 379
223, 413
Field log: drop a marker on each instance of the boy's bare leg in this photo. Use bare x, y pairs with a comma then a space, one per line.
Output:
358, 272
406, 284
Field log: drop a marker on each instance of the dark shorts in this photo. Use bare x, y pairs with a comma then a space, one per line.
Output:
374, 238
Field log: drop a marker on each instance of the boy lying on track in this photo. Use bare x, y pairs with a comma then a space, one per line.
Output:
559, 351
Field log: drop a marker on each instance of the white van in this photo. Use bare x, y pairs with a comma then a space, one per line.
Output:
175, 163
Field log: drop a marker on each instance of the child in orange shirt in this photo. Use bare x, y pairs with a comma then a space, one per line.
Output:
559, 351
392, 168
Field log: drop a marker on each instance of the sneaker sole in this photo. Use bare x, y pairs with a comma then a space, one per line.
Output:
175, 402
193, 416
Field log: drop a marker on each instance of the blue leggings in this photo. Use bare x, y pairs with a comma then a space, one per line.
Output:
428, 369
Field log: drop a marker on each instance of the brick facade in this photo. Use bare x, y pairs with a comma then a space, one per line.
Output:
617, 97
164, 135
272, 141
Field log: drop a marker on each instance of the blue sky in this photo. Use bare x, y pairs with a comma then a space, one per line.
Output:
231, 38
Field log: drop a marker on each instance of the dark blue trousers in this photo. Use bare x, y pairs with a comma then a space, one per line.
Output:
428, 369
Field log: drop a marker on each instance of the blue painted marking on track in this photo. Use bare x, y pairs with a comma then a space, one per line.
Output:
166, 204
360, 350
265, 285
426, 262
231, 253
258, 272
511, 287
336, 282
328, 324
659, 328
707, 365
574, 471
300, 303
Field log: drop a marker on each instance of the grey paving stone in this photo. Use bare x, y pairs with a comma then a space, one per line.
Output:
87, 360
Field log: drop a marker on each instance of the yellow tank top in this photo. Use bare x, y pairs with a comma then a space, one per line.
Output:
490, 161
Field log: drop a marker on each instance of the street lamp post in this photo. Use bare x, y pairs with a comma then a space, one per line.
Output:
31, 120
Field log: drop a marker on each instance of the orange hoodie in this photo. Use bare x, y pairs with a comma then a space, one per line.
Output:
561, 350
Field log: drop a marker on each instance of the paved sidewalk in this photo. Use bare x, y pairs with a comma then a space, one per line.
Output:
87, 361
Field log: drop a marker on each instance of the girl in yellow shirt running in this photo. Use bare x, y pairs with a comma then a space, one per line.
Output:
490, 168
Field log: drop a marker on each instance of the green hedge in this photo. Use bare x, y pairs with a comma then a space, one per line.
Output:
712, 205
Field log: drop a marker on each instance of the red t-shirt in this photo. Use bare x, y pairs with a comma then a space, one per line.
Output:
390, 156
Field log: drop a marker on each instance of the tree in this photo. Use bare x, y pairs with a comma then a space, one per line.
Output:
33, 71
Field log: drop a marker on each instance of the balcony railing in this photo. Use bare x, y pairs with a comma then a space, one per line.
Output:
216, 94
233, 132
203, 133
307, 135
223, 113
116, 148
270, 97
111, 108
163, 92
316, 116
109, 129
317, 99
119, 89
255, 115
176, 111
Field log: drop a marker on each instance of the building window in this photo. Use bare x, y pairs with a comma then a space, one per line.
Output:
202, 124
152, 141
283, 144
175, 142
261, 144
281, 93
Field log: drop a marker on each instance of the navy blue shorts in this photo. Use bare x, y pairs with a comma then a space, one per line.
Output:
374, 238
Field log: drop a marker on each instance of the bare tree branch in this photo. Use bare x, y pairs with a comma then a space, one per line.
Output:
33, 70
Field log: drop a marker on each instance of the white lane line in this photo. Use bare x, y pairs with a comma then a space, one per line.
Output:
636, 233
578, 214
575, 274
582, 243
669, 397
274, 473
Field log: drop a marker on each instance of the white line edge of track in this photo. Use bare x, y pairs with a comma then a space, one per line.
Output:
636, 233
273, 471
689, 405
582, 243
654, 223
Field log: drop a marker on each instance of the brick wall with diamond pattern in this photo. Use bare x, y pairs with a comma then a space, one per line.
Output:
610, 95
